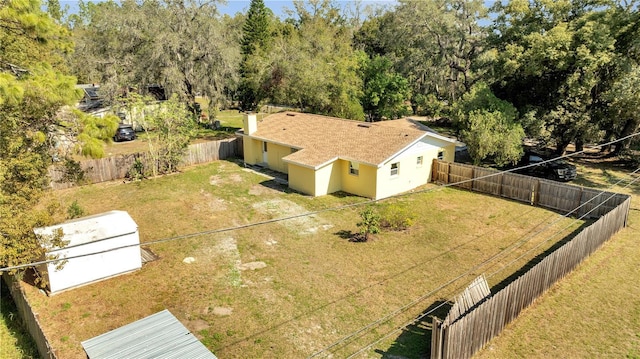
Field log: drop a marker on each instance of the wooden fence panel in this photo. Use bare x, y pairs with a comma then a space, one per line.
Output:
558, 196
487, 181
466, 335
462, 174
117, 167
519, 187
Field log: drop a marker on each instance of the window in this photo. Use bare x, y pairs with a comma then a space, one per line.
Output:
264, 147
354, 168
419, 161
441, 155
395, 169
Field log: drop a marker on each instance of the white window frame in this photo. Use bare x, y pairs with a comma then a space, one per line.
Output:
395, 169
419, 161
354, 168
441, 155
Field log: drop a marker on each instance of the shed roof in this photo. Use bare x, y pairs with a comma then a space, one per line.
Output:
93, 228
160, 335
322, 139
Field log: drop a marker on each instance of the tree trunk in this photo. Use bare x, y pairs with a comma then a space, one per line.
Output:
629, 128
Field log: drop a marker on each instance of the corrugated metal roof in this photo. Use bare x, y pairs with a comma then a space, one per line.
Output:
160, 335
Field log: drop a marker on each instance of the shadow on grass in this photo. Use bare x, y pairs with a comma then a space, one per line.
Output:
537, 259
415, 340
18, 339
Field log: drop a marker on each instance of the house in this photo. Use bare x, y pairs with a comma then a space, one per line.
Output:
106, 245
322, 155
160, 335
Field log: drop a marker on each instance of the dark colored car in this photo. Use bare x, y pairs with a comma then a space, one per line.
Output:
124, 133
557, 170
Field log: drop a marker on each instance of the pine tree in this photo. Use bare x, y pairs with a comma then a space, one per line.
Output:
255, 41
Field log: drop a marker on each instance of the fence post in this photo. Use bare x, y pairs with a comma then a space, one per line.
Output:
436, 338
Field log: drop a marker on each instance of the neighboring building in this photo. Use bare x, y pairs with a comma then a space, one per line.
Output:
160, 335
110, 242
322, 155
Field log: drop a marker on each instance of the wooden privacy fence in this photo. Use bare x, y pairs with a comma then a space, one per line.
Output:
469, 332
575, 200
117, 167
29, 317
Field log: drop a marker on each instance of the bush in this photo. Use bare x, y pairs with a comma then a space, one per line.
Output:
74, 210
396, 218
370, 224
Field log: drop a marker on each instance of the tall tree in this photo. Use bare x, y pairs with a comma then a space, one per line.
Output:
489, 126
558, 58
256, 40
384, 91
313, 65
441, 45
32, 90
181, 45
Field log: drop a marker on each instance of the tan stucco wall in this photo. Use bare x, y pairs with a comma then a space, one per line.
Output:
302, 179
275, 153
252, 150
364, 184
329, 178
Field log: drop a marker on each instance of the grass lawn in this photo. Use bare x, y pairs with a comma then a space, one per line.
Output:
15, 342
595, 311
291, 288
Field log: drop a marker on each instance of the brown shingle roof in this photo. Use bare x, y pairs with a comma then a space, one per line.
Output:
322, 139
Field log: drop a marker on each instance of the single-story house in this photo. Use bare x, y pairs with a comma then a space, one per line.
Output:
322, 155
106, 245
160, 335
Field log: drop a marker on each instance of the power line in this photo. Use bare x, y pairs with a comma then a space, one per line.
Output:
228, 229
422, 315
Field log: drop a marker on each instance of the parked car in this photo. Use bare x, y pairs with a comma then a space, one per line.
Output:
558, 170
124, 133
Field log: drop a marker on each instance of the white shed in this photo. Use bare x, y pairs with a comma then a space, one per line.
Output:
101, 235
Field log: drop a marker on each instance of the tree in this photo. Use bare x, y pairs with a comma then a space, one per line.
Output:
312, 65
488, 126
256, 38
32, 90
384, 91
559, 58
442, 45
370, 223
181, 45
169, 127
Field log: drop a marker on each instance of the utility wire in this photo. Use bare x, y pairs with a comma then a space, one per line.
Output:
228, 229
422, 315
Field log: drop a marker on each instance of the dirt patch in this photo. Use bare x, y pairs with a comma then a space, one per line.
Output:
280, 208
197, 325
222, 311
260, 190
252, 266
215, 180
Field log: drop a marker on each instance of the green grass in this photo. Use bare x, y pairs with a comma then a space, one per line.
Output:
316, 288
15, 342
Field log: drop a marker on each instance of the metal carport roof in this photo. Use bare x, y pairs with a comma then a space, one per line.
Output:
160, 335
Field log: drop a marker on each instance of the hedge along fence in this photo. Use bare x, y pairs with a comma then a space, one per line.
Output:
118, 167
468, 333
29, 317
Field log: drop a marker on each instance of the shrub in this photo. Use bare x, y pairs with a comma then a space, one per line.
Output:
370, 223
396, 218
74, 210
